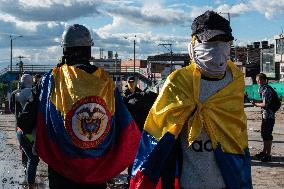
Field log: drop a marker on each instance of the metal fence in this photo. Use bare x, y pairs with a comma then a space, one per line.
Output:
28, 68
46, 68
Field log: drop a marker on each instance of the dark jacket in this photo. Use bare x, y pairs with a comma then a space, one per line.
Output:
127, 92
139, 105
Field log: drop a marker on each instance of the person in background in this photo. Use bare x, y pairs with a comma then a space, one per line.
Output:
200, 107
131, 86
84, 131
139, 105
20, 96
36, 79
268, 117
18, 100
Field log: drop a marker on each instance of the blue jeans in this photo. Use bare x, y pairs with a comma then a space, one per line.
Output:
32, 159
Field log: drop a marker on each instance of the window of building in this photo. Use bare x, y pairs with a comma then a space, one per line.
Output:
282, 69
280, 46
268, 63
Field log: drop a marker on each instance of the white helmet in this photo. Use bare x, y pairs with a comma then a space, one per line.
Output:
76, 35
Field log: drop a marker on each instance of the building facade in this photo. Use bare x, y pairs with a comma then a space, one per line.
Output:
279, 50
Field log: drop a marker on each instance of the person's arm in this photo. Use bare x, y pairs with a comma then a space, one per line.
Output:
259, 104
265, 95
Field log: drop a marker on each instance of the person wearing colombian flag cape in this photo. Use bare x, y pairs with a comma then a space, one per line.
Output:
84, 131
202, 107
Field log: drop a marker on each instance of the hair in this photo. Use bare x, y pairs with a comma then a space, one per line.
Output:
75, 55
262, 76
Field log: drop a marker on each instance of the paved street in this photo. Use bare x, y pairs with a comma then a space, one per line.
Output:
265, 175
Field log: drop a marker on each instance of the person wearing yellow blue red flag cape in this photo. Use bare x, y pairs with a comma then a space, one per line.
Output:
202, 107
84, 131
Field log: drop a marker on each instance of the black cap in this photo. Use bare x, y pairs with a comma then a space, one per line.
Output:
131, 79
209, 25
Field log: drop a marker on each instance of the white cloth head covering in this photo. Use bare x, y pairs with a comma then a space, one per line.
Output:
26, 81
210, 57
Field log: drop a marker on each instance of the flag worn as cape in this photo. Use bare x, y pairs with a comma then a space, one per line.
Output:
221, 115
84, 131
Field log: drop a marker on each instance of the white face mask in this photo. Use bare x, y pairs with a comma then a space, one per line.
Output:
210, 57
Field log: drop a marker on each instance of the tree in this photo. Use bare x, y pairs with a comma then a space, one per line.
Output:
3, 90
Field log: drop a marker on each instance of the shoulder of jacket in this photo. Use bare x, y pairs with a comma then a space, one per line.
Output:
181, 74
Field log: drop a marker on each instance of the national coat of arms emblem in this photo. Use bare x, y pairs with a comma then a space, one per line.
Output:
88, 122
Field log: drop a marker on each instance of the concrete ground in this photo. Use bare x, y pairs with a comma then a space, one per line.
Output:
265, 175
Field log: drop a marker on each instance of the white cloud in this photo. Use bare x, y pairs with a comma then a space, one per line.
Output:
196, 11
20, 52
52, 24
49, 10
270, 8
48, 55
234, 10
53, 49
116, 22
42, 23
45, 3
152, 13
30, 26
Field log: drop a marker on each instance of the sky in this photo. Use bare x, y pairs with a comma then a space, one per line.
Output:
115, 24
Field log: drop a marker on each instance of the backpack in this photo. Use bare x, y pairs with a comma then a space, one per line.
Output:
275, 102
26, 120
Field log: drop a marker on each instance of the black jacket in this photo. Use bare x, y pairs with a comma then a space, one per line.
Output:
127, 92
139, 105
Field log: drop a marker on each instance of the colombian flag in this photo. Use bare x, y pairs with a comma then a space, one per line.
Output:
221, 115
84, 131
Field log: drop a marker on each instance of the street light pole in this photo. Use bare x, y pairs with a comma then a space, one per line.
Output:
11, 54
134, 44
11, 44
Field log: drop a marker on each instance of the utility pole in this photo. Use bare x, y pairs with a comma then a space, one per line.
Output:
12, 37
115, 65
171, 52
134, 44
134, 52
